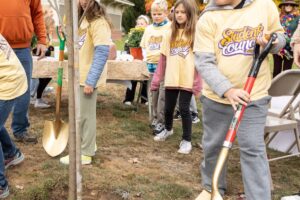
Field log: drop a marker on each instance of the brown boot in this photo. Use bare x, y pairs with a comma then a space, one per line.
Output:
204, 195
26, 138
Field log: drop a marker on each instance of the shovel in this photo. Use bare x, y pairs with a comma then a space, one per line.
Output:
56, 133
230, 136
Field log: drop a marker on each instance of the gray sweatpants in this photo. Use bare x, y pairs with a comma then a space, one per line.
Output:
250, 135
88, 122
158, 103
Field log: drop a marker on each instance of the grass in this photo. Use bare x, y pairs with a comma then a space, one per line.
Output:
128, 163
123, 135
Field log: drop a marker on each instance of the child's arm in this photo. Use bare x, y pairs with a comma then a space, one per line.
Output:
159, 73
205, 57
274, 26
101, 53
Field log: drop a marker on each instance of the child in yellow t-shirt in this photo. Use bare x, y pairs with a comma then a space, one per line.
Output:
94, 44
226, 35
177, 67
151, 43
13, 84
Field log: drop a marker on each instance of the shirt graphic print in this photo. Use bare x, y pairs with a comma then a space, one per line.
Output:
239, 41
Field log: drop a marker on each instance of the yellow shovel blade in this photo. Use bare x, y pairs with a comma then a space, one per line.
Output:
54, 142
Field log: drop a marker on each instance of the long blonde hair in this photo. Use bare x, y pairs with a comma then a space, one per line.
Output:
190, 7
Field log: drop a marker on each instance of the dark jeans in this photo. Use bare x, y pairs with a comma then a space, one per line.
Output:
129, 96
7, 147
20, 121
184, 108
281, 64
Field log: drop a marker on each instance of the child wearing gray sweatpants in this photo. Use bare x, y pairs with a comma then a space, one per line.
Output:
225, 38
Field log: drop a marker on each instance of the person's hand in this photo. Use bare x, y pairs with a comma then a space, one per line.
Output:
88, 90
236, 96
41, 50
297, 54
263, 40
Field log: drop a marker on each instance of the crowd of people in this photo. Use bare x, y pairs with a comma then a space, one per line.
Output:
188, 55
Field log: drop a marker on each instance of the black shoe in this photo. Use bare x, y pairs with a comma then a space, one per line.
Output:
177, 115
195, 118
158, 128
4, 191
15, 160
26, 138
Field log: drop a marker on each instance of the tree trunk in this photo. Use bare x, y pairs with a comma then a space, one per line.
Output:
73, 87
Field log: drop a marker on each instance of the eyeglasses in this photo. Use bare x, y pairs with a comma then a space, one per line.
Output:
289, 5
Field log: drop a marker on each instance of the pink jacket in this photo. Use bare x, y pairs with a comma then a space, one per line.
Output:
160, 73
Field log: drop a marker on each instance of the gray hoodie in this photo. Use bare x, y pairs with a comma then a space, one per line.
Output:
206, 63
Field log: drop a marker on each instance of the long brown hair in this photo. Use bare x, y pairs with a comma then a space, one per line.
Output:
190, 7
93, 12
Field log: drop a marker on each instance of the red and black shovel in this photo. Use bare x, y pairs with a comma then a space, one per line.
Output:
230, 136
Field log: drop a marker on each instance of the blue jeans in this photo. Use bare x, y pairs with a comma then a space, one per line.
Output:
20, 121
7, 147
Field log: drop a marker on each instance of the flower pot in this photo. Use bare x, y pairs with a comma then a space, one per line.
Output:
136, 52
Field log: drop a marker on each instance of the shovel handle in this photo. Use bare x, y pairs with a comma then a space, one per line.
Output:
230, 136
62, 43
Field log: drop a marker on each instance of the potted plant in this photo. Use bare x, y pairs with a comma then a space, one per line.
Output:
133, 42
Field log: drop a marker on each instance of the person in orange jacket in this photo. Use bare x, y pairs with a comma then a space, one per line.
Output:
19, 21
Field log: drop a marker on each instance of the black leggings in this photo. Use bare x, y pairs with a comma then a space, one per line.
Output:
43, 82
184, 108
281, 64
129, 96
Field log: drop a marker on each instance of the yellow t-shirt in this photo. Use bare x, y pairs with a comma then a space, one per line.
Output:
180, 61
230, 35
13, 80
90, 35
152, 40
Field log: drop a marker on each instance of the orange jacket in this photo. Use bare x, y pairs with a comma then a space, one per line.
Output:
19, 20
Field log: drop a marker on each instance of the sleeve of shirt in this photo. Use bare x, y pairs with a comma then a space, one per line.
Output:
204, 37
274, 26
296, 36
143, 41
165, 44
37, 17
205, 58
100, 32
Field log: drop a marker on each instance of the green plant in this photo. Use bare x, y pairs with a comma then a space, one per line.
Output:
134, 37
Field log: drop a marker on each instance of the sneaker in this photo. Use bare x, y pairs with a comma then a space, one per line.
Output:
177, 115
15, 160
48, 90
85, 160
154, 123
204, 195
40, 103
158, 128
128, 103
26, 138
185, 147
163, 135
195, 118
32, 100
4, 192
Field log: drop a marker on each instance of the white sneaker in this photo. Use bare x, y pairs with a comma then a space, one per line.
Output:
32, 100
85, 160
162, 136
185, 147
40, 103
128, 103
48, 90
